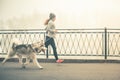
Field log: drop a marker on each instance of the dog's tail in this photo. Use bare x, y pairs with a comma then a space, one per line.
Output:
14, 43
13, 46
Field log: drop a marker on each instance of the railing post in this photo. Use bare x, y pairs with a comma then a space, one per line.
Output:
105, 43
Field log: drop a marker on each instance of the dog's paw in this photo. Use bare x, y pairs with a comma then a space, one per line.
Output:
23, 66
41, 68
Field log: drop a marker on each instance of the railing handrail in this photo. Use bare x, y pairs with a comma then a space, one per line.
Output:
59, 29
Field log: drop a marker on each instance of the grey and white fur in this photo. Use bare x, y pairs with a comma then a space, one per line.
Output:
25, 50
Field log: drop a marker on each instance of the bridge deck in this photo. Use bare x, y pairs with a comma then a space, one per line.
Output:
64, 71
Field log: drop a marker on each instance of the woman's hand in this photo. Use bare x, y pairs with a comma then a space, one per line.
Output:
55, 30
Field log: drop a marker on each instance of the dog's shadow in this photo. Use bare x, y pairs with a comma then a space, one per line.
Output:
20, 68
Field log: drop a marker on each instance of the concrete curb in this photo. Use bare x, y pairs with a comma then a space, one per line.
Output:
69, 60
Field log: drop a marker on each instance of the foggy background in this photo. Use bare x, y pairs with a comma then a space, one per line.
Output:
31, 14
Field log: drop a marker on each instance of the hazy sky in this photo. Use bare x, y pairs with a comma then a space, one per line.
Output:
77, 13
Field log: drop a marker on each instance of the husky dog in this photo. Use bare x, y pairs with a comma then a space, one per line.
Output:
27, 50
